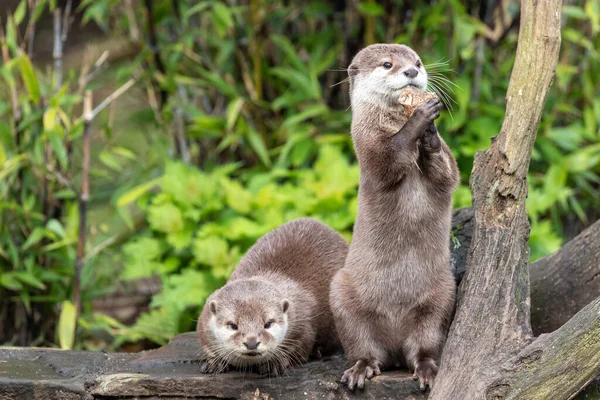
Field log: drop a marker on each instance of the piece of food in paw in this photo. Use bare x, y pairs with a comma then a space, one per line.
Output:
412, 97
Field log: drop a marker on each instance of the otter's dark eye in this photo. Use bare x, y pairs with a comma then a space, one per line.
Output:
387, 65
232, 326
418, 64
269, 324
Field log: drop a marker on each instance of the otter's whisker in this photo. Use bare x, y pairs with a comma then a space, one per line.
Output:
340, 82
442, 91
445, 100
443, 78
444, 97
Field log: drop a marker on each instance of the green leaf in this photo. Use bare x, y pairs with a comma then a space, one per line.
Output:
30, 280
222, 18
211, 251
29, 78
592, 9
258, 145
2, 155
39, 9
136, 192
201, 6
574, 12
233, 112
290, 52
8, 281
20, 12
55, 226
370, 9
110, 161
34, 238
59, 148
123, 152
66, 325
311, 111
236, 196
165, 218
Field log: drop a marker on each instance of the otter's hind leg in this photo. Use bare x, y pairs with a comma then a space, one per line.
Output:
356, 334
425, 340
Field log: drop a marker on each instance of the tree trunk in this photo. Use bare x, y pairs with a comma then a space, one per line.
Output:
490, 352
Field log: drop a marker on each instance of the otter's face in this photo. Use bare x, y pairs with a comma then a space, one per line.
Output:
380, 71
248, 330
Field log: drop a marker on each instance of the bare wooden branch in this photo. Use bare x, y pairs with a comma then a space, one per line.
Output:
566, 281
557, 365
492, 319
14, 98
57, 53
134, 30
66, 23
30, 32
112, 98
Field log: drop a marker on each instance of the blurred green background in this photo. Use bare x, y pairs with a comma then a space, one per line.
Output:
237, 121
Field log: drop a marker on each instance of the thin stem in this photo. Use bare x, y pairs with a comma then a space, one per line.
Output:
57, 53
111, 98
83, 199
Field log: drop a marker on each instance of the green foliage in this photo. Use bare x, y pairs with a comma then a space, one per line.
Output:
39, 219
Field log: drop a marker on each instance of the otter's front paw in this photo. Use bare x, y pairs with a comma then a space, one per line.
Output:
428, 111
425, 373
271, 370
213, 366
356, 375
431, 139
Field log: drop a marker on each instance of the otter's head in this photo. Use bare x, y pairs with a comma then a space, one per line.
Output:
248, 321
378, 72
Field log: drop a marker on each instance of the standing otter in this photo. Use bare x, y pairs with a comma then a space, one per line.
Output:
274, 310
394, 297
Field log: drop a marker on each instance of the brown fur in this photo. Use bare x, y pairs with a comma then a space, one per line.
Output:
394, 297
295, 262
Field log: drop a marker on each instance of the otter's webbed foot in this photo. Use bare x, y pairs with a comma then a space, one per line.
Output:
212, 366
272, 369
425, 372
356, 375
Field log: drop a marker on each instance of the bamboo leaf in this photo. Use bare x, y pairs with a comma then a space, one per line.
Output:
233, 112
20, 12
30, 280
258, 145
59, 148
34, 238
29, 78
138, 191
66, 325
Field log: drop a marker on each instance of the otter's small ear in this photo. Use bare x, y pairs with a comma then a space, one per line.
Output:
213, 307
285, 305
353, 70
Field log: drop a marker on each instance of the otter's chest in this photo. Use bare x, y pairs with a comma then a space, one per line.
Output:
412, 197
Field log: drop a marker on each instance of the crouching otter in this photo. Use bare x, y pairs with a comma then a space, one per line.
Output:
274, 310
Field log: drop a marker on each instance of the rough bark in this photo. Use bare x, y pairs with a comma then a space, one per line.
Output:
490, 339
561, 283
564, 282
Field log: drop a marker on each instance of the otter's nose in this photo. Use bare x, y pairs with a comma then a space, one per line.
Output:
411, 73
251, 345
